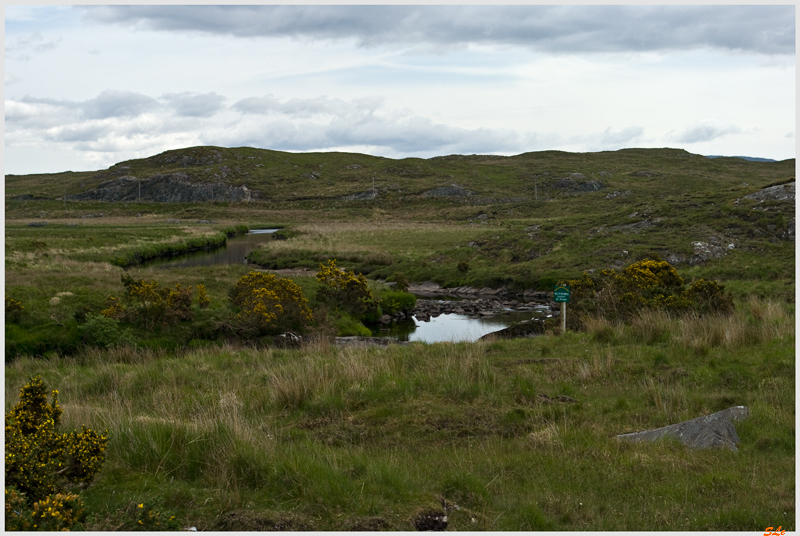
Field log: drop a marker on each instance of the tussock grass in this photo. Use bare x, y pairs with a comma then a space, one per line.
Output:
332, 436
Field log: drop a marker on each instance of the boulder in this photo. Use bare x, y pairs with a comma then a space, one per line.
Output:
715, 430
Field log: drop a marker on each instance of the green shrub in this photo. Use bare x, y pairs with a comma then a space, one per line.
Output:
347, 326
400, 282
104, 332
394, 301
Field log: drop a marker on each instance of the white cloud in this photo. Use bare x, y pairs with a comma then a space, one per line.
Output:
189, 104
705, 130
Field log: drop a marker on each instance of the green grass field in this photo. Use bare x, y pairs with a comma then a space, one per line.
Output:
332, 439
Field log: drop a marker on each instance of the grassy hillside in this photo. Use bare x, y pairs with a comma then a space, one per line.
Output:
516, 221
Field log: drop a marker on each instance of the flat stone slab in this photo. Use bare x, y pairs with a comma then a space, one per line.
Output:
715, 430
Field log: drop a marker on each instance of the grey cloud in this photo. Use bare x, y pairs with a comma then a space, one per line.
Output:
195, 104
112, 103
394, 133
705, 130
761, 29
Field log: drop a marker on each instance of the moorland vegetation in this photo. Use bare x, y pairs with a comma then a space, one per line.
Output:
683, 277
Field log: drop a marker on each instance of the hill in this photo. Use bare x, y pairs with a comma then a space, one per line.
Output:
520, 220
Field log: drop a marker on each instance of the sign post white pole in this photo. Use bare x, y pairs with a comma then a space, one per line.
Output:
561, 295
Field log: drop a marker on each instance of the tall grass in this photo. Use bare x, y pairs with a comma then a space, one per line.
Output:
335, 437
753, 322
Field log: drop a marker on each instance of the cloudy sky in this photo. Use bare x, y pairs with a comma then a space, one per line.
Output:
89, 86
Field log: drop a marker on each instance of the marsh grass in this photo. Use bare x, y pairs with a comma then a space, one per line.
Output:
330, 437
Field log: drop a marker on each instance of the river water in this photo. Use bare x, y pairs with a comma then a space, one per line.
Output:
235, 252
442, 328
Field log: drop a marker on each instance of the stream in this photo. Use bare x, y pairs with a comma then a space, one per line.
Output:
444, 327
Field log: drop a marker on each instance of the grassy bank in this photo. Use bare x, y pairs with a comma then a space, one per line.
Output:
333, 439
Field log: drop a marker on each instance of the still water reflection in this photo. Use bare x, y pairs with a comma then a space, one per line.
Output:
451, 327
234, 253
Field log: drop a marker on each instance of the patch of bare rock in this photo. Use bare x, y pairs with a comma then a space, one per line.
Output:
715, 430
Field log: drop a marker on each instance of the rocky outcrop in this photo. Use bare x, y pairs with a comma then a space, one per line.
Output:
782, 192
454, 190
431, 290
476, 307
168, 188
715, 430
525, 329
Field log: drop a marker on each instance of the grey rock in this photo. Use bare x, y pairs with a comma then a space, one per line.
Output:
454, 190
782, 192
168, 188
715, 430
37, 224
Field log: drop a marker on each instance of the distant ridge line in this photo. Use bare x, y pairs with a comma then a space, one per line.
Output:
751, 158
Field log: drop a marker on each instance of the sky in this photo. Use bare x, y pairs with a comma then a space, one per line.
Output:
89, 86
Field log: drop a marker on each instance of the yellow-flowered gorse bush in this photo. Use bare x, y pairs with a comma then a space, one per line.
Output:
151, 517
345, 290
649, 283
149, 303
40, 461
58, 512
14, 309
269, 304
202, 297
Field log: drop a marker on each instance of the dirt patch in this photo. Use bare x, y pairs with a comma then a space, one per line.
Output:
254, 521
370, 524
430, 519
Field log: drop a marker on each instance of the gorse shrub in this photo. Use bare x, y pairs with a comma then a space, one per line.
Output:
14, 309
150, 304
58, 512
646, 284
150, 517
202, 297
345, 290
268, 304
40, 461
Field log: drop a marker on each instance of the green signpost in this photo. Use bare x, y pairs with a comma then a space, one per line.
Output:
561, 295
